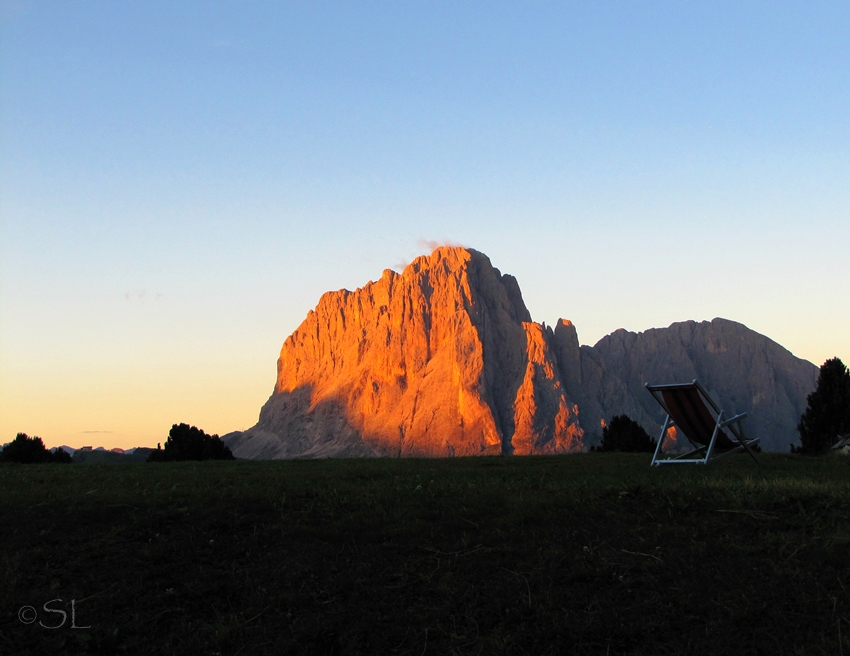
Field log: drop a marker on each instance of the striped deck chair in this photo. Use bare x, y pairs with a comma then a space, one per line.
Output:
691, 410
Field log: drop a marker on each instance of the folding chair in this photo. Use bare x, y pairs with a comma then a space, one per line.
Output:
843, 442
691, 410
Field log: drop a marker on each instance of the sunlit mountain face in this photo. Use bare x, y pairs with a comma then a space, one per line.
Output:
443, 359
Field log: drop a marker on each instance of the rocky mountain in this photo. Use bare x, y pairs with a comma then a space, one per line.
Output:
440, 360
443, 359
743, 370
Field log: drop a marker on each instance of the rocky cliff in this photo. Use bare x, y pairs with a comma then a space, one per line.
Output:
742, 369
443, 359
440, 360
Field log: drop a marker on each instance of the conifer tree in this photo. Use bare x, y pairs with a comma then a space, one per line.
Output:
31, 450
828, 412
625, 434
190, 443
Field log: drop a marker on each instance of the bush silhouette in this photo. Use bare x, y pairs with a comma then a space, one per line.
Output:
827, 414
625, 434
187, 442
31, 450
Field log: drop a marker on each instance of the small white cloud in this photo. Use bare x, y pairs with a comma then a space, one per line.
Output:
433, 244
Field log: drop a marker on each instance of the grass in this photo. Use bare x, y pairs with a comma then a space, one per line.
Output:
579, 554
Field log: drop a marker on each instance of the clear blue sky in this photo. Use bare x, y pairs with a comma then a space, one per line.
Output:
180, 182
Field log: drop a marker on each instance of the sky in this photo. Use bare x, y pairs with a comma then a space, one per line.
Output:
180, 182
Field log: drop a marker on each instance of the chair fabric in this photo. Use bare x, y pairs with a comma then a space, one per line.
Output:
693, 412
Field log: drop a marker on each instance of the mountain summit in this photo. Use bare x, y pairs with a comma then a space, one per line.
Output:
443, 360
440, 360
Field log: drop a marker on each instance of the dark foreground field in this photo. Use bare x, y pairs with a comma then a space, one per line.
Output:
583, 554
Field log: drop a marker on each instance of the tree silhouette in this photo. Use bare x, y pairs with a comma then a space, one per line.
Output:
827, 414
187, 442
31, 450
625, 434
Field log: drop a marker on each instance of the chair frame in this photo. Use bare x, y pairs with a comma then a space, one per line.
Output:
734, 424
843, 442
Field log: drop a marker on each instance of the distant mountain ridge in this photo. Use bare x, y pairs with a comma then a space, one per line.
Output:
444, 359
100, 455
742, 369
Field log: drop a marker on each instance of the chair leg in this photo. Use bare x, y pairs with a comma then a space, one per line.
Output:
710, 450
660, 442
745, 444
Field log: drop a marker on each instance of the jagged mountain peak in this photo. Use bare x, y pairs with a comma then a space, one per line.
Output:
443, 359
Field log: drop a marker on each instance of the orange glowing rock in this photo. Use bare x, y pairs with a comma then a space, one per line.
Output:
440, 360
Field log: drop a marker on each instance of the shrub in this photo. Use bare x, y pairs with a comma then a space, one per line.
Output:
827, 414
190, 443
31, 450
625, 434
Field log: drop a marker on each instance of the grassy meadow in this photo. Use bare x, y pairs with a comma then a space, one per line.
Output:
580, 554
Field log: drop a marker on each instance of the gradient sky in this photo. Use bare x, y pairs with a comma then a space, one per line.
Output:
180, 182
